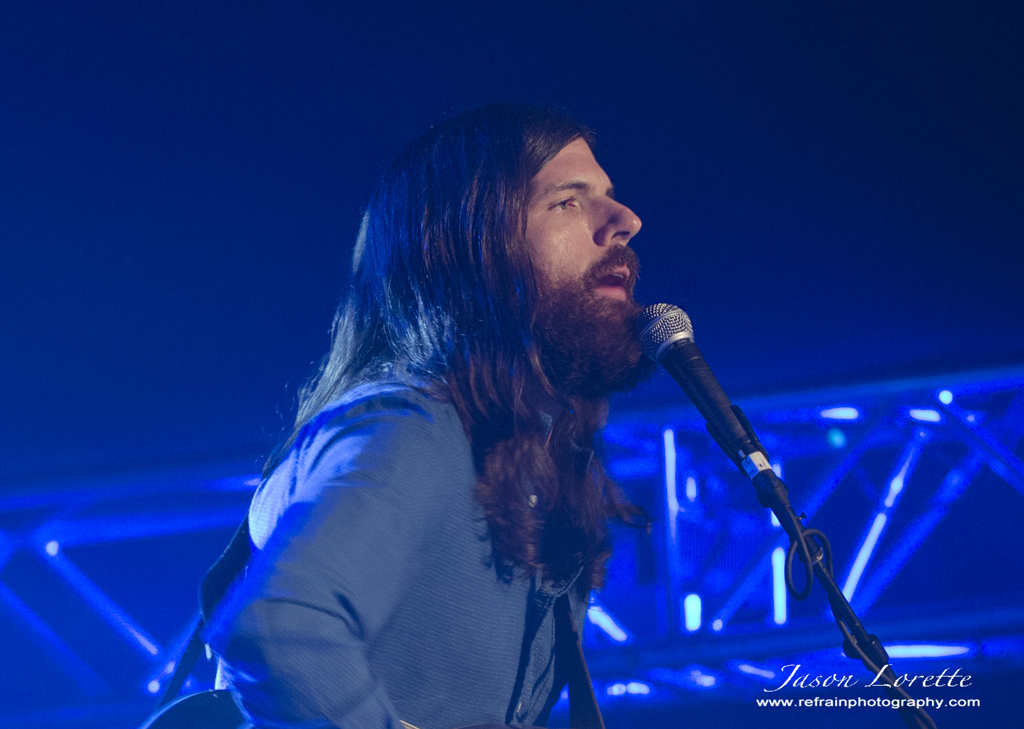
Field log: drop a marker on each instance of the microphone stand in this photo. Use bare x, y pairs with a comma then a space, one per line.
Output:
816, 554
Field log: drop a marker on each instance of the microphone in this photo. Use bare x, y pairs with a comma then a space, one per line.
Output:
666, 336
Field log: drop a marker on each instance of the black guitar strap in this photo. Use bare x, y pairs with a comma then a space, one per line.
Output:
584, 713
211, 591
225, 570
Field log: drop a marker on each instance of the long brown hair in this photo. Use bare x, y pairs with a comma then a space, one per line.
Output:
444, 296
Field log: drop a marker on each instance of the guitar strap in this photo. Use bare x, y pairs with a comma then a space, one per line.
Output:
229, 565
212, 589
584, 712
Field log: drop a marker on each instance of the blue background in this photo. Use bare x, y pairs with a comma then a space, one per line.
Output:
833, 191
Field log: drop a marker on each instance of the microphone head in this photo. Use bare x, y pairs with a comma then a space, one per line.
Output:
659, 326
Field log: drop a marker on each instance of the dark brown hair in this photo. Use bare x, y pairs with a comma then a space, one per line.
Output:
444, 296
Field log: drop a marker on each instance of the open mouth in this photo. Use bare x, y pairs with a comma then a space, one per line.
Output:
614, 281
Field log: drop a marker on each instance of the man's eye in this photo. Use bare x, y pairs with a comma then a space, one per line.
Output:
563, 204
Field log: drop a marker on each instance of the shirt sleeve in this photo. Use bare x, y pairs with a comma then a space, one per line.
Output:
346, 521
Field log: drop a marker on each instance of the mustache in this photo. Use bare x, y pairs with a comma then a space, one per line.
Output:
617, 257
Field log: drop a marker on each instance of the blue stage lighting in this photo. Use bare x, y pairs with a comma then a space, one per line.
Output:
603, 620
779, 585
925, 415
840, 413
836, 438
927, 650
953, 486
898, 481
669, 438
895, 486
752, 670
945, 397
704, 679
691, 612
632, 688
863, 555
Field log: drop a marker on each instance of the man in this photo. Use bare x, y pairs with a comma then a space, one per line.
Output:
438, 493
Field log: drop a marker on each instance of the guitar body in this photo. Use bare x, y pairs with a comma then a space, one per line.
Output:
204, 710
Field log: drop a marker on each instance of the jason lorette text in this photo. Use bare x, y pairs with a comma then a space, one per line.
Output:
795, 679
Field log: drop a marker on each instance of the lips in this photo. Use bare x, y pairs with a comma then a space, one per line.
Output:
617, 270
617, 277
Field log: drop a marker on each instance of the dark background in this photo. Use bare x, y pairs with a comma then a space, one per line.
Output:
834, 191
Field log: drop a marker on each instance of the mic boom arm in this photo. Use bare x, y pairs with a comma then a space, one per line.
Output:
816, 554
666, 328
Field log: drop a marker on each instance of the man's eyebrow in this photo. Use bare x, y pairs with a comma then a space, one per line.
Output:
580, 185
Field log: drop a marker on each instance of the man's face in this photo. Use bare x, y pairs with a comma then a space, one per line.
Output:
573, 225
586, 316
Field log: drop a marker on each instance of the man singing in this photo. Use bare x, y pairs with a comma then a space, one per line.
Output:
439, 493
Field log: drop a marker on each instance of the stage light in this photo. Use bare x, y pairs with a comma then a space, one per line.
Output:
836, 438
671, 495
755, 671
153, 686
924, 415
926, 650
841, 413
863, 556
704, 680
717, 625
691, 612
52, 548
894, 489
599, 617
779, 585
945, 397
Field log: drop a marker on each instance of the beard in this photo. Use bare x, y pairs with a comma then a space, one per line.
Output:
588, 343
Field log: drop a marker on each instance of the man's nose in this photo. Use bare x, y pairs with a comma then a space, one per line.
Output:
621, 226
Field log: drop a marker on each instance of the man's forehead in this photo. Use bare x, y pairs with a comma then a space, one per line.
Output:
573, 168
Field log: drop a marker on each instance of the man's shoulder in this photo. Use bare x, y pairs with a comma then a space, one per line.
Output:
389, 414
389, 400
388, 437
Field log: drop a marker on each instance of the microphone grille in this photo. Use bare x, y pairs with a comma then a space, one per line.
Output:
659, 325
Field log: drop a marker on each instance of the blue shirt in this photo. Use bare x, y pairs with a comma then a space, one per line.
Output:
372, 596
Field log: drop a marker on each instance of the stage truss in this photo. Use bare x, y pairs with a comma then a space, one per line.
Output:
919, 485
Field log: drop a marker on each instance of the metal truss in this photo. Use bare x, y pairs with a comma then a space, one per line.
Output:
87, 660
878, 467
690, 611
